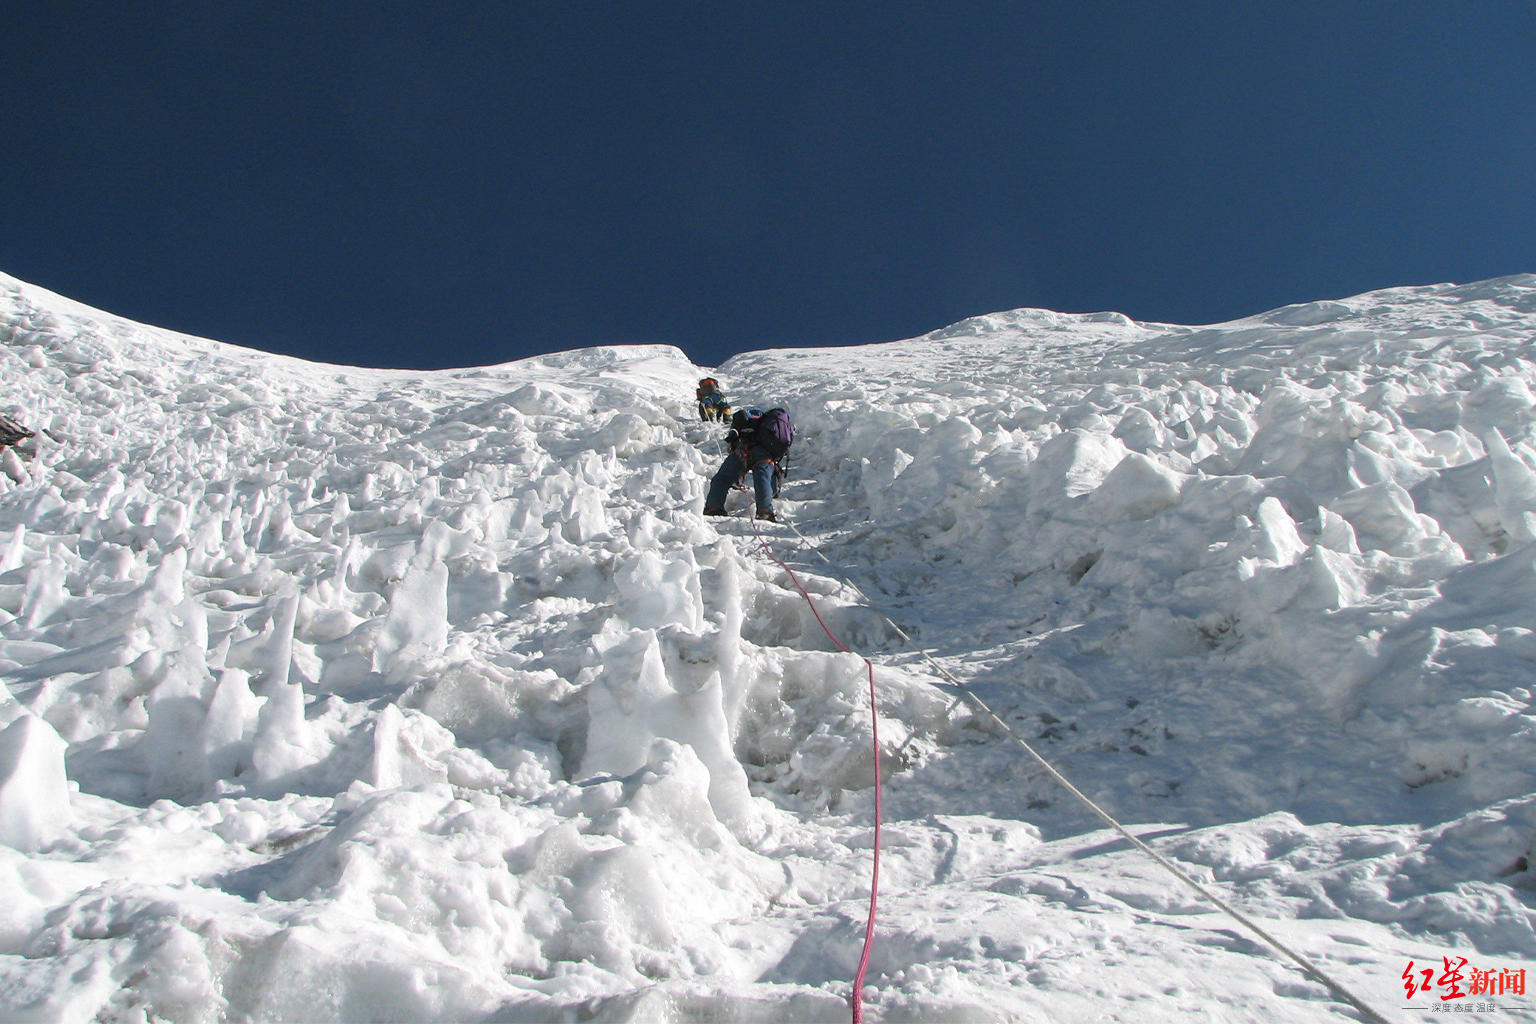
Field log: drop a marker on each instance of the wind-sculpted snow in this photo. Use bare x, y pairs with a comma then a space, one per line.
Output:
341, 694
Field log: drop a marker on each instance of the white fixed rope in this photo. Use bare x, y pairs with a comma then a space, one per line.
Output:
1220, 904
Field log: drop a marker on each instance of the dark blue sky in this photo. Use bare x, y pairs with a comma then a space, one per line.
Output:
459, 184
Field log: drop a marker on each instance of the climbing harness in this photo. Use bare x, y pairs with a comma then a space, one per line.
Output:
780, 474
856, 998
1220, 904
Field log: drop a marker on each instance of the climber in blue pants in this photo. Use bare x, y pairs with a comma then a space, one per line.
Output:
755, 451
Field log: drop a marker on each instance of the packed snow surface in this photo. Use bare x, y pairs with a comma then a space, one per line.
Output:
363, 695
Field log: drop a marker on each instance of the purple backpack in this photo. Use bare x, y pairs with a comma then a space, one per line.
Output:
775, 433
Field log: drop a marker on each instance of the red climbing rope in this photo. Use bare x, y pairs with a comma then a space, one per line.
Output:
857, 998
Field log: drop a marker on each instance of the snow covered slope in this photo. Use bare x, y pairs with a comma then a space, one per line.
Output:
341, 694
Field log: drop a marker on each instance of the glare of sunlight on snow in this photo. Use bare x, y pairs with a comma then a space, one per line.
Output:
335, 694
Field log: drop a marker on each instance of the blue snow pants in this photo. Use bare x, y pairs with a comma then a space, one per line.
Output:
732, 469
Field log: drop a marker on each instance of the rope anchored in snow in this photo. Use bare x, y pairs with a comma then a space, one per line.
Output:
1220, 904
856, 999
